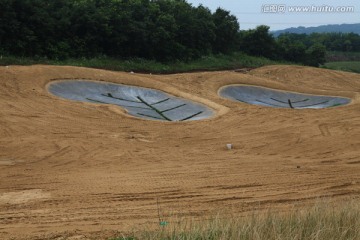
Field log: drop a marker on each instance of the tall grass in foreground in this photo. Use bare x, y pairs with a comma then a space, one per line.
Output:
321, 222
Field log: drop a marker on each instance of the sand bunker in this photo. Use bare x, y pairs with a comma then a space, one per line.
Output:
139, 102
280, 99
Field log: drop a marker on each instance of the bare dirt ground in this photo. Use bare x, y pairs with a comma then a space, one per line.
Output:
84, 170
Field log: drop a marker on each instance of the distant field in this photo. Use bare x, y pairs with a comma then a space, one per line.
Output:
352, 66
337, 56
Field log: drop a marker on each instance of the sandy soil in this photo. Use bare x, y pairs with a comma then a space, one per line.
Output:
85, 170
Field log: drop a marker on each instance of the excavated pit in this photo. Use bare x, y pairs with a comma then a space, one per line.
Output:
139, 102
279, 99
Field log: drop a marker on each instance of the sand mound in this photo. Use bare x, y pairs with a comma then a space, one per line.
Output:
82, 167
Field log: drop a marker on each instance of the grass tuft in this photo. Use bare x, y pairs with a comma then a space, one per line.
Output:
323, 221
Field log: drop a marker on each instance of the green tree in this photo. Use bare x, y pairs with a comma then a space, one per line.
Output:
226, 31
316, 55
291, 50
258, 42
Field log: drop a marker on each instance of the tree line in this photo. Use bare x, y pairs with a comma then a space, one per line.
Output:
162, 30
308, 49
158, 29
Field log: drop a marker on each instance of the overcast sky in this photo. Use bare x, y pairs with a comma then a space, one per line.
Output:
250, 15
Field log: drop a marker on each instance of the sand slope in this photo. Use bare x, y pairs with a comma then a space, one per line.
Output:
82, 168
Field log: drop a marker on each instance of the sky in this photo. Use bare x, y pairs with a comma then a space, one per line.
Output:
279, 14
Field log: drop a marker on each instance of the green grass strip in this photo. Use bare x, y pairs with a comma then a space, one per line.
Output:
301, 100
194, 115
268, 103
241, 101
96, 101
311, 105
145, 115
278, 100
160, 101
336, 105
291, 101
153, 108
117, 104
122, 99
290, 104
234, 60
173, 108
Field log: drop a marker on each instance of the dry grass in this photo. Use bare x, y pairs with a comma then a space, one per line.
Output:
323, 221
